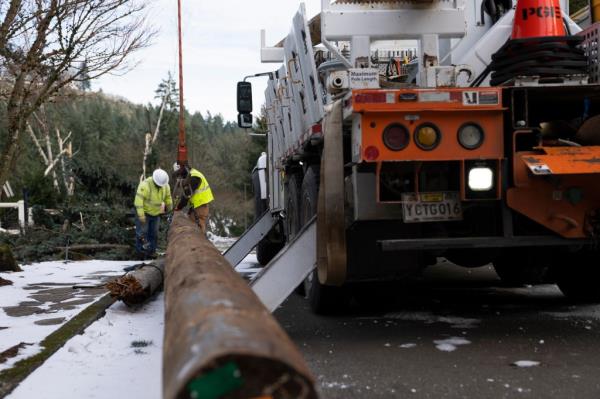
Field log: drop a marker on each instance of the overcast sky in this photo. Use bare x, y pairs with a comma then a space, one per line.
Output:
221, 45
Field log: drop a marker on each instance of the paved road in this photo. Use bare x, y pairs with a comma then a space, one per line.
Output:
456, 333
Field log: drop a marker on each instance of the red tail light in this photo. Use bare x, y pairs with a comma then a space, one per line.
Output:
396, 137
371, 153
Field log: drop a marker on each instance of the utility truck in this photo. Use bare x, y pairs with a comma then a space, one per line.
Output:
422, 129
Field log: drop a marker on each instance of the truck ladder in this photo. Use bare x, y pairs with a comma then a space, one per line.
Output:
288, 268
251, 237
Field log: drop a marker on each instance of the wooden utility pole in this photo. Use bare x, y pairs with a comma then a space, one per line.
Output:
219, 337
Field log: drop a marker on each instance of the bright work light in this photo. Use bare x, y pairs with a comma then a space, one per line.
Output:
481, 179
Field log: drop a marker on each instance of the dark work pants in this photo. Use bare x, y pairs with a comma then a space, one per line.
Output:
149, 232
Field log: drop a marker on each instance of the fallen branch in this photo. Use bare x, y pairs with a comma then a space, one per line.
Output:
92, 247
139, 285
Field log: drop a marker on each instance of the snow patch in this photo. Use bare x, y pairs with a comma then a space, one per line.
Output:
336, 385
104, 359
249, 267
577, 312
222, 243
408, 345
46, 288
429, 318
526, 363
24, 352
450, 344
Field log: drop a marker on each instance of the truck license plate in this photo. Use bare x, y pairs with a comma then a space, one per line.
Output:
431, 207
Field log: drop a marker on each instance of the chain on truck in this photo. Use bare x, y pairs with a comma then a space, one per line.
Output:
422, 129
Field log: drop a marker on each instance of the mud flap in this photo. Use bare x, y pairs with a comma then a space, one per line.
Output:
331, 227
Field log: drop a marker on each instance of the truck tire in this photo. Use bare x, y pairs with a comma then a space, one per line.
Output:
323, 299
578, 275
292, 206
518, 267
265, 249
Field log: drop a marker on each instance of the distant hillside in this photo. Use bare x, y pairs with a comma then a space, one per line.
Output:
108, 138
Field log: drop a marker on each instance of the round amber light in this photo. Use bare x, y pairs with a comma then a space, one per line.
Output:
427, 136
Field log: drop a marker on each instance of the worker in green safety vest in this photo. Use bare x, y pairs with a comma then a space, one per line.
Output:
199, 194
153, 198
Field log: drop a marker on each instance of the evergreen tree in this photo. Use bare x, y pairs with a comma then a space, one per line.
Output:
84, 82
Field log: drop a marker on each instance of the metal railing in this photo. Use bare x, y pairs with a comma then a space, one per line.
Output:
20, 206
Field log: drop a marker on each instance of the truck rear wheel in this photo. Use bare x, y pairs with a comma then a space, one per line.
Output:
323, 299
292, 206
578, 275
266, 249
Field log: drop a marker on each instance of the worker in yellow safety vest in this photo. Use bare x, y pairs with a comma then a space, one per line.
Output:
199, 194
152, 199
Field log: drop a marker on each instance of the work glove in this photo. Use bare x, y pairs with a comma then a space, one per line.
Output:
142, 220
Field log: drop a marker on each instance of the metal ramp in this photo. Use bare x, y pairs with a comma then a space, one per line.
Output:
242, 247
288, 268
277, 280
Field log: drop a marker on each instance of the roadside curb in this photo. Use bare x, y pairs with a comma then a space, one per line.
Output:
10, 378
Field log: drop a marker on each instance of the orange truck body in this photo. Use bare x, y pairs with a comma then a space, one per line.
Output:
555, 186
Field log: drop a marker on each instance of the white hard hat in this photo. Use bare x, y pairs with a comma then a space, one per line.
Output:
160, 177
176, 167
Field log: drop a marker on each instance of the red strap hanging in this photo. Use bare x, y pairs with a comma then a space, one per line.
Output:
182, 156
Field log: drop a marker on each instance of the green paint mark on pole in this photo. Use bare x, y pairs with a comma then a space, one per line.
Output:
217, 383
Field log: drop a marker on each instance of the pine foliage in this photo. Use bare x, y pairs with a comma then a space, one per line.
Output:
108, 136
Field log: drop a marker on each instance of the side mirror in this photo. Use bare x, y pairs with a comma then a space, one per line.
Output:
244, 97
245, 120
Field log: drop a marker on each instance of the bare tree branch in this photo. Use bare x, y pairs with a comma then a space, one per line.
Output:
151, 139
42, 43
52, 164
37, 144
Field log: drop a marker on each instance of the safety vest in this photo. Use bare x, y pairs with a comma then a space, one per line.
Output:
149, 198
202, 195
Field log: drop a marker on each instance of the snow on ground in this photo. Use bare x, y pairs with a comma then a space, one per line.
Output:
408, 345
248, 267
118, 356
42, 299
430, 318
222, 243
526, 363
450, 344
